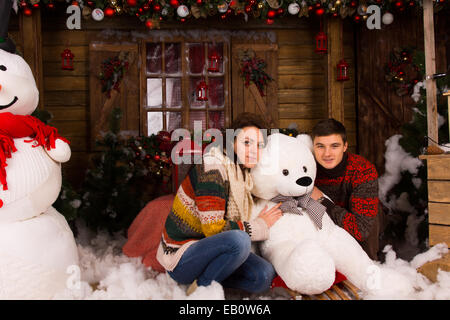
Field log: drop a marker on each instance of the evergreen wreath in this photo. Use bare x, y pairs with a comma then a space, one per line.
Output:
404, 70
252, 70
112, 72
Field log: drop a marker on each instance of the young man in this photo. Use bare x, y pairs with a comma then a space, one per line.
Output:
351, 182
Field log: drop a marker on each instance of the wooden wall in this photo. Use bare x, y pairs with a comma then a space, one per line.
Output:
301, 77
380, 111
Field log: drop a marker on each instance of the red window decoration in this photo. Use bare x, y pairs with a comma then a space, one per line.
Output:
67, 59
321, 42
202, 91
214, 62
342, 71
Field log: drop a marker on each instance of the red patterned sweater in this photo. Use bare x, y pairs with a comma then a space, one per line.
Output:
353, 187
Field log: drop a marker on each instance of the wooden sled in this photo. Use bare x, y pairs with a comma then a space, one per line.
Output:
344, 290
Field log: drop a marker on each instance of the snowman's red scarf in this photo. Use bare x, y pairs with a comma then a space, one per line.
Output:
16, 126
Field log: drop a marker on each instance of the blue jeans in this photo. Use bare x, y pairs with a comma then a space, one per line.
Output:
225, 258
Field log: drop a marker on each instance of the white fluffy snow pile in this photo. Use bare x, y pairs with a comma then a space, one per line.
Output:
106, 273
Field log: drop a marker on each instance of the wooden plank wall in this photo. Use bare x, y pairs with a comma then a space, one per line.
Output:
302, 80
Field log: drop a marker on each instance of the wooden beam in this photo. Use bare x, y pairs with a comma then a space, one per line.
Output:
335, 89
430, 69
31, 34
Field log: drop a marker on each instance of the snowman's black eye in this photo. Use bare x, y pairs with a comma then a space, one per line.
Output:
2, 68
285, 172
304, 169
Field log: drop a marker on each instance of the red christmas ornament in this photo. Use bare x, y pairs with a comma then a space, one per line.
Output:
199, 1
248, 8
214, 62
36, 5
149, 24
412, 3
353, 4
50, 5
174, 3
90, 3
27, 11
321, 42
109, 12
156, 7
132, 3
270, 21
357, 18
145, 7
23, 4
399, 4
271, 14
67, 59
280, 11
342, 71
202, 91
157, 157
320, 11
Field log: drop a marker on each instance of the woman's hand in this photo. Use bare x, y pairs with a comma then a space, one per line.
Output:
270, 216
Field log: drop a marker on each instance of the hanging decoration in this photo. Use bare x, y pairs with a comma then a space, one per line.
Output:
403, 71
213, 60
202, 91
342, 70
67, 59
268, 10
321, 41
252, 70
112, 72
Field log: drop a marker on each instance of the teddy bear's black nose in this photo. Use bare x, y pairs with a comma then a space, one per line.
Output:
304, 181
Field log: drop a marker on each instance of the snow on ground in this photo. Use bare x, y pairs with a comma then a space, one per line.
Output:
106, 273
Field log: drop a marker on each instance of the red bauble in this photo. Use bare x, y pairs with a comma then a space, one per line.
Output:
50, 5
280, 11
174, 3
320, 11
27, 11
357, 18
157, 157
23, 4
156, 7
248, 8
270, 21
145, 7
199, 1
132, 3
36, 5
353, 4
271, 14
109, 12
149, 24
399, 4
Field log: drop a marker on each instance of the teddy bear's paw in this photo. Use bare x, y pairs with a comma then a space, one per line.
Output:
308, 269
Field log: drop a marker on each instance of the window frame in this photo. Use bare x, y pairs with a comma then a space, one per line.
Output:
185, 77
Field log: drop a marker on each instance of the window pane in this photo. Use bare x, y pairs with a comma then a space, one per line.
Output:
217, 49
154, 92
172, 56
154, 122
154, 58
216, 92
216, 119
197, 116
173, 92
196, 56
194, 103
173, 121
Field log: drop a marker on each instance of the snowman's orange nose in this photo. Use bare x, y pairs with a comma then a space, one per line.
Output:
0, 87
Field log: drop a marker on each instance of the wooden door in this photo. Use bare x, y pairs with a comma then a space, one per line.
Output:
248, 99
127, 98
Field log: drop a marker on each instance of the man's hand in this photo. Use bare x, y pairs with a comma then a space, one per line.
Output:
316, 193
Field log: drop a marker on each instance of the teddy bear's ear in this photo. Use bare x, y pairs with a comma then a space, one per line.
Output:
306, 139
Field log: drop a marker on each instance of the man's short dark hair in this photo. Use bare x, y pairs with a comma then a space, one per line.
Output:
328, 127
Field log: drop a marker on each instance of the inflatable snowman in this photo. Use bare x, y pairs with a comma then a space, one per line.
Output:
37, 247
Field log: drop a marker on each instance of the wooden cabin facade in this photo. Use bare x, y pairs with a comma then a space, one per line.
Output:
304, 89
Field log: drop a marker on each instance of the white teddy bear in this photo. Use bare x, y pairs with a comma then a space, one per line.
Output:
305, 246
36, 244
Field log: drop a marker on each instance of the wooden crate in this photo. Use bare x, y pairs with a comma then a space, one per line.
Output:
438, 167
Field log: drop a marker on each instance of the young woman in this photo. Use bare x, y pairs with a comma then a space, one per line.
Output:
207, 235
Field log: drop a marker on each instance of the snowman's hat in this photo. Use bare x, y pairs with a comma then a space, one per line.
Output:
5, 11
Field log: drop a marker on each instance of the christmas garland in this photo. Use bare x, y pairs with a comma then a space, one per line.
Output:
112, 72
252, 70
404, 70
151, 12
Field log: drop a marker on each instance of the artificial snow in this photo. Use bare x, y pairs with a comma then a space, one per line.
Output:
106, 273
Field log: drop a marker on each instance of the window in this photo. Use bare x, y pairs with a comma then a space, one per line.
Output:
172, 73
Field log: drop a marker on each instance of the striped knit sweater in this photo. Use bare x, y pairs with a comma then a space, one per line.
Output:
205, 205
353, 188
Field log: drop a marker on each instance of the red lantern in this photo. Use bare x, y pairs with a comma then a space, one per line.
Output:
214, 62
202, 91
342, 71
67, 59
321, 42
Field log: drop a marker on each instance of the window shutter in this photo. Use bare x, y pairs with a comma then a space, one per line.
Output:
128, 96
249, 99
